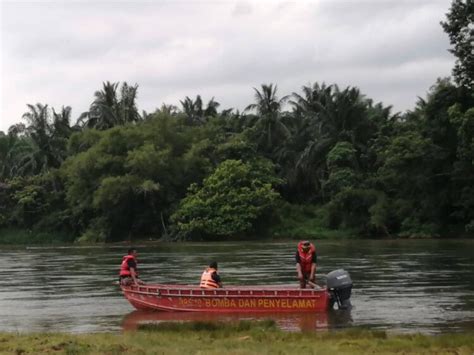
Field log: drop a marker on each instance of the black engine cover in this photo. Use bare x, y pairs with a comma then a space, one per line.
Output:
338, 279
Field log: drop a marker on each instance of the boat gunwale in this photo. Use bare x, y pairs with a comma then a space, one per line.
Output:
317, 295
230, 288
231, 292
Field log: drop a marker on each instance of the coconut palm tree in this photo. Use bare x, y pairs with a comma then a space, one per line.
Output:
170, 110
40, 131
313, 97
29, 158
102, 112
266, 101
109, 110
195, 111
127, 108
7, 159
40, 144
211, 108
269, 123
61, 130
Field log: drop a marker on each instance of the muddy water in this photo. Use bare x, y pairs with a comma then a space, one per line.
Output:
402, 286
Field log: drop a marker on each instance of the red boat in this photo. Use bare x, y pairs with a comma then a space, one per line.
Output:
182, 298
229, 299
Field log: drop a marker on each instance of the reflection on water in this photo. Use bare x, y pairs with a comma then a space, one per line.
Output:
286, 321
404, 286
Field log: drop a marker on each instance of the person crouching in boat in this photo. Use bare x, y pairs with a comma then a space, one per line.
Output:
129, 269
306, 263
210, 278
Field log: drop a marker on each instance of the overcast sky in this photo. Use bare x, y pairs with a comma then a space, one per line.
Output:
59, 53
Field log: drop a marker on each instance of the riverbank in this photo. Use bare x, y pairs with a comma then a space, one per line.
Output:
17, 236
292, 228
295, 231
235, 338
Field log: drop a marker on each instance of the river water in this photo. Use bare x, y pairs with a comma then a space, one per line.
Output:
399, 285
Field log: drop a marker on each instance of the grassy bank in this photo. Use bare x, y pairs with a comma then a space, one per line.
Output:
238, 338
13, 236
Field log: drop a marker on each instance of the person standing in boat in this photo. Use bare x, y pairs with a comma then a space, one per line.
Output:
306, 263
129, 269
210, 278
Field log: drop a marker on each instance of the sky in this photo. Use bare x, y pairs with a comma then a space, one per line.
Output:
60, 52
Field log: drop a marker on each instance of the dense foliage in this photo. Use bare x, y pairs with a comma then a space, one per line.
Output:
197, 172
230, 200
460, 29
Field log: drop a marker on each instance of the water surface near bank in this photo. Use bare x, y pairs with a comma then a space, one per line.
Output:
399, 285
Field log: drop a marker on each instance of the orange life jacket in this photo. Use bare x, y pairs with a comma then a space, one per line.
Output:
124, 269
206, 279
306, 259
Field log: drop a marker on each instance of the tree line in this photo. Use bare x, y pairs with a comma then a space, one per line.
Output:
195, 171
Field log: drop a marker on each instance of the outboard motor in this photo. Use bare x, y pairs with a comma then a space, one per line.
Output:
339, 285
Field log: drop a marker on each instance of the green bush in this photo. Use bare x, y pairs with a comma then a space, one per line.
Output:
230, 202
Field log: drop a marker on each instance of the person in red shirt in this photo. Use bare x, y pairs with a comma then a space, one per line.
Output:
129, 269
306, 263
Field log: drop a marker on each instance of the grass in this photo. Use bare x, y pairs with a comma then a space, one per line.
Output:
13, 236
234, 338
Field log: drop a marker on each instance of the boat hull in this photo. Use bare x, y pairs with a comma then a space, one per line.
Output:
180, 298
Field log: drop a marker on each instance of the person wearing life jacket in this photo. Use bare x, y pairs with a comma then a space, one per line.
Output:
129, 269
306, 263
210, 278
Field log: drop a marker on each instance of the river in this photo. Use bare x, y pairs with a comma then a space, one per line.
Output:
400, 286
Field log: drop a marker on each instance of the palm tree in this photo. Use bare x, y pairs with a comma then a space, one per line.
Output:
17, 129
211, 108
37, 124
61, 131
170, 110
266, 101
332, 116
62, 120
102, 112
29, 158
344, 114
195, 111
7, 159
127, 108
20, 155
313, 97
109, 110
38, 145
10, 145
40, 131
270, 128
189, 108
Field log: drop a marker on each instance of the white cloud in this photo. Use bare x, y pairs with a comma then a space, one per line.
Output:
59, 52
